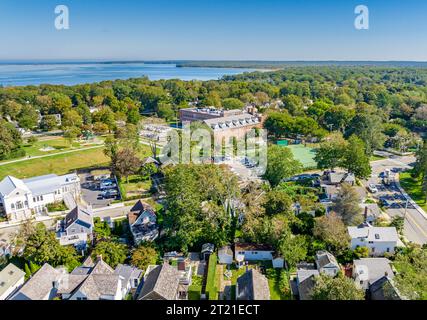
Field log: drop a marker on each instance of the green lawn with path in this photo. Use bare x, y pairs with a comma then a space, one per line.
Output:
59, 164
304, 154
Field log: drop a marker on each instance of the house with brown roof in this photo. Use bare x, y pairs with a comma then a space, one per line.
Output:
252, 285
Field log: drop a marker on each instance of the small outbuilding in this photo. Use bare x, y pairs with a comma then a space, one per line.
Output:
207, 250
225, 255
278, 262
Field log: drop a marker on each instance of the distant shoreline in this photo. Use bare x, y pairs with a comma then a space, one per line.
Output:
240, 64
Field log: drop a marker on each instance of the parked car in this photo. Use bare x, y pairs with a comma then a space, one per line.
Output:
372, 188
108, 194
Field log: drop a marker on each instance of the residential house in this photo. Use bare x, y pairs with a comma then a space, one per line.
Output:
131, 276
384, 289
20, 199
161, 283
326, 263
371, 212
143, 223
252, 252
96, 280
337, 178
366, 271
225, 255
11, 279
43, 285
379, 240
77, 227
305, 280
252, 285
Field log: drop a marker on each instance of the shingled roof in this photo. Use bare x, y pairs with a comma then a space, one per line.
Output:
161, 284
84, 216
252, 285
40, 286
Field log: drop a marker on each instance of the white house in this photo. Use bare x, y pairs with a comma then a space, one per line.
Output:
327, 264
77, 227
367, 271
378, 240
11, 279
252, 252
20, 199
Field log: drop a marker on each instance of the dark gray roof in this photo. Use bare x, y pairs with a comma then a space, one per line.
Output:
207, 247
306, 281
252, 285
383, 289
162, 283
324, 258
80, 214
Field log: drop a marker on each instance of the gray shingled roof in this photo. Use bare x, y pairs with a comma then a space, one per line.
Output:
163, 281
97, 285
127, 272
252, 285
324, 258
377, 267
9, 277
40, 285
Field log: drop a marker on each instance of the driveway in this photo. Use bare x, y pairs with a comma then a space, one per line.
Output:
415, 227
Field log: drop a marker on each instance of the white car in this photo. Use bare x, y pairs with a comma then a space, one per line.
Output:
372, 188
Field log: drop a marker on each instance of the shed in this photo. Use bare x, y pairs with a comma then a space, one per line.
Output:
278, 262
207, 250
225, 255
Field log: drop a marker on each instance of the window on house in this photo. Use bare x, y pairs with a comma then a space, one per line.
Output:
135, 283
41, 198
361, 281
19, 205
388, 249
12, 206
34, 199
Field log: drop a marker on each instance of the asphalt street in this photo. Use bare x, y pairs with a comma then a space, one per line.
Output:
415, 227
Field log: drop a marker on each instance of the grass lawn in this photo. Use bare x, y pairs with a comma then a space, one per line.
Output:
413, 188
59, 164
273, 276
211, 281
195, 290
136, 187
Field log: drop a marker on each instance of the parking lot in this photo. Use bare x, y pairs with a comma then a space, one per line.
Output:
98, 193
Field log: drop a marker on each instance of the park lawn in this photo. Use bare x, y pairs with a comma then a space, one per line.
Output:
376, 158
413, 188
58, 164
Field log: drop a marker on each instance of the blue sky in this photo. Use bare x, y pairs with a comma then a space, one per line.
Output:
213, 30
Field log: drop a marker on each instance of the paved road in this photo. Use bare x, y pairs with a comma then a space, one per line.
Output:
415, 228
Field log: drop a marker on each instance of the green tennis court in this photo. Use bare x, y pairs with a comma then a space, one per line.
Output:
304, 154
